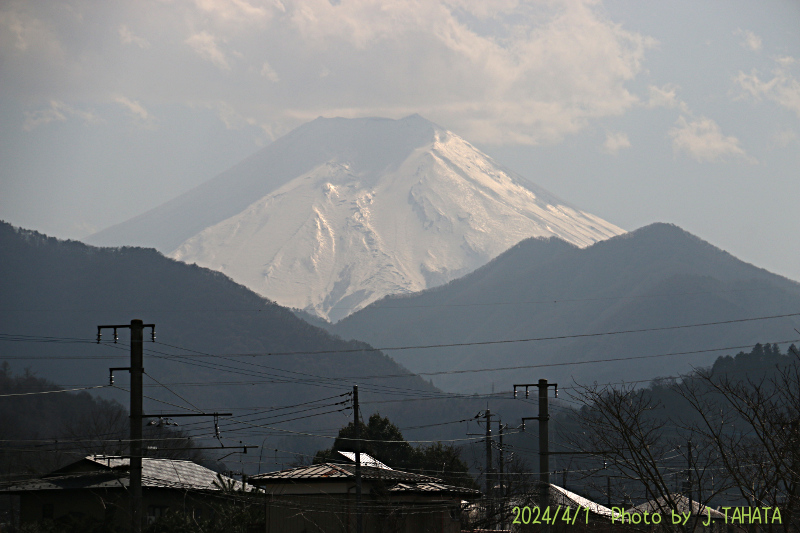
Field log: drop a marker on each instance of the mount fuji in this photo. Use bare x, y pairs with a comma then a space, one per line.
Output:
341, 212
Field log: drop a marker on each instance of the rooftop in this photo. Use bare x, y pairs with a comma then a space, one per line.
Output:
105, 472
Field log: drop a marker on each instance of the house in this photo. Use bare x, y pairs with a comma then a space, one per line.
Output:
698, 517
322, 497
568, 512
95, 489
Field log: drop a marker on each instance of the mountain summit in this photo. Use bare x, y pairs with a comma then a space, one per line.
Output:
341, 212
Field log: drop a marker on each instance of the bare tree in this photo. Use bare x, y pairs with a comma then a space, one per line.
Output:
637, 437
753, 423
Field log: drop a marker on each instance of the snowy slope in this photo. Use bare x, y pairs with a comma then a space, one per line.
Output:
409, 206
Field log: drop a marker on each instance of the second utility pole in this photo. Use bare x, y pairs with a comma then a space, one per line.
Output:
544, 442
359, 512
489, 477
136, 369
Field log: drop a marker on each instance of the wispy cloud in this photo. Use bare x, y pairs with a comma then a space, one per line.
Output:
750, 40
783, 88
229, 116
268, 72
666, 96
205, 45
784, 138
141, 115
703, 140
126, 36
57, 111
616, 141
238, 11
527, 79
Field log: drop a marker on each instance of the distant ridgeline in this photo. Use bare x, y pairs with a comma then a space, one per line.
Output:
56, 293
657, 301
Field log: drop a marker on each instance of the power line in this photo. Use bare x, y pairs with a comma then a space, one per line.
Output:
511, 341
52, 391
382, 307
30, 338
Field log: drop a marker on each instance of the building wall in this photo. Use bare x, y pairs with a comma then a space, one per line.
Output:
337, 514
109, 506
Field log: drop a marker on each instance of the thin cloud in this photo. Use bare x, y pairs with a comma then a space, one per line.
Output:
616, 141
238, 11
57, 111
703, 140
229, 116
527, 75
137, 111
750, 40
783, 88
784, 138
126, 36
205, 45
34, 119
666, 96
268, 72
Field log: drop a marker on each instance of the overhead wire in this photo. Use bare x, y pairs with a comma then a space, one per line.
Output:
52, 391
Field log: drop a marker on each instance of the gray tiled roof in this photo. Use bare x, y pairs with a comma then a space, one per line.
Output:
113, 472
433, 487
401, 481
326, 471
565, 498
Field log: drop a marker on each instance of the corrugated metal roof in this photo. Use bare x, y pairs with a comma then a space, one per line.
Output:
402, 482
433, 487
113, 472
327, 471
565, 498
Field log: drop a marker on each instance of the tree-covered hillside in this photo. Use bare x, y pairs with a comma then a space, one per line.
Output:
219, 347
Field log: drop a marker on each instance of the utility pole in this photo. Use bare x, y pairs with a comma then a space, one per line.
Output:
544, 447
544, 441
489, 480
359, 511
690, 476
501, 475
137, 414
136, 369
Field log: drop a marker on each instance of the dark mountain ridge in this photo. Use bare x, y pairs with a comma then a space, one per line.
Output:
56, 293
658, 276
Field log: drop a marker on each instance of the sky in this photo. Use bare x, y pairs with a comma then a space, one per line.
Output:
663, 111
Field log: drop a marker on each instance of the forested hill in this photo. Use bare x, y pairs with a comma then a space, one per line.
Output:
651, 282
56, 293
44, 427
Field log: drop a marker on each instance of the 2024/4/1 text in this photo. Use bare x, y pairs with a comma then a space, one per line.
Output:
534, 515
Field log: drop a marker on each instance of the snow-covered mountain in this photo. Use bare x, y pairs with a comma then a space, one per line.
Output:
342, 212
